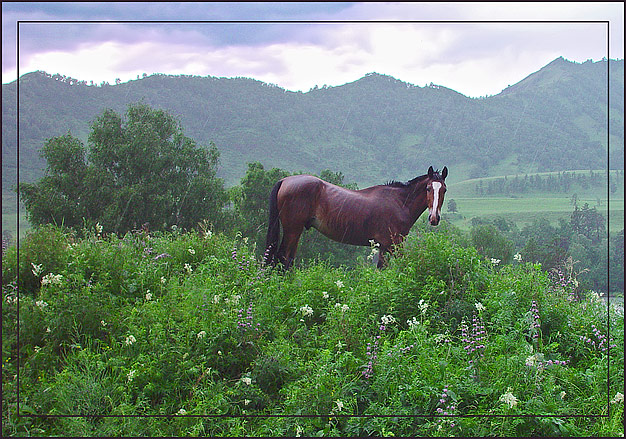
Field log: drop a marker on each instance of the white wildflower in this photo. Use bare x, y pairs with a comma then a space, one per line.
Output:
130, 340
412, 322
191, 251
103, 323
182, 412
344, 308
41, 304
188, 268
517, 257
509, 398
339, 284
201, 334
163, 279
562, 394
306, 310
51, 279
385, 320
246, 401
246, 380
216, 298
148, 295
479, 306
130, 375
325, 294
339, 405
423, 305
98, 229
495, 261
37, 269
619, 397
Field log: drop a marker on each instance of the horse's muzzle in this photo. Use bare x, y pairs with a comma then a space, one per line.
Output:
434, 219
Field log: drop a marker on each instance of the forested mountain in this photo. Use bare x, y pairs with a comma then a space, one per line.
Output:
374, 129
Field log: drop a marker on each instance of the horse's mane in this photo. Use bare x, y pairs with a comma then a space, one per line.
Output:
394, 183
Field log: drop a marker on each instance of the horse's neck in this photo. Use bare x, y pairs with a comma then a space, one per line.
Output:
416, 199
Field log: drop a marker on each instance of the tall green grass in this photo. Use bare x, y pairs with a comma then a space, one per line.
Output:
189, 335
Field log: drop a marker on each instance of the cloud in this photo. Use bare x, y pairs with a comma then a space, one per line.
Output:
473, 58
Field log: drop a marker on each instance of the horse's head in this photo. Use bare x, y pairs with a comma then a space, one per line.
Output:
435, 191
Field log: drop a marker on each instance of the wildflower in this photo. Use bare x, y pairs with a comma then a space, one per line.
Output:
48, 330
412, 322
188, 268
339, 284
619, 397
51, 279
41, 304
246, 380
162, 255
216, 298
339, 405
495, 261
130, 340
517, 257
37, 269
344, 308
325, 294
130, 375
201, 334
163, 280
98, 229
423, 306
479, 306
236, 298
387, 319
148, 295
208, 234
509, 398
182, 412
103, 323
191, 251
306, 310
246, 401
562, 394
533, 360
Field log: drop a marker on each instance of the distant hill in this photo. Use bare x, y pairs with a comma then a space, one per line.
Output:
374, 129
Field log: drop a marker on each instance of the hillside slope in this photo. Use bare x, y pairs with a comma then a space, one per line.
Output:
374, 129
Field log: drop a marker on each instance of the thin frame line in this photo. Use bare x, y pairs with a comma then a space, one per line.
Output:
19, 22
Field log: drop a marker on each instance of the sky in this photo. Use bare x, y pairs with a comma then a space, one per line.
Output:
477, 49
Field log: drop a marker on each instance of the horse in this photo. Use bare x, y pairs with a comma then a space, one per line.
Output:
381, 214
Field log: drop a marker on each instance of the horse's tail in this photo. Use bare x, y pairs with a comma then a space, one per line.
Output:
273, 229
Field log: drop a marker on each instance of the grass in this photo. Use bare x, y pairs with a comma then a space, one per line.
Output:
166, 325
523, 211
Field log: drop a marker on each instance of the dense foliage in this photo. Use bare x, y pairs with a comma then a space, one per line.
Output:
142, 171
189, 332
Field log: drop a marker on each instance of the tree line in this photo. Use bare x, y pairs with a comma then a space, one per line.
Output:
563, 182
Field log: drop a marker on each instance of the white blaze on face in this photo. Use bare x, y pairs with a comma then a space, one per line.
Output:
434, 211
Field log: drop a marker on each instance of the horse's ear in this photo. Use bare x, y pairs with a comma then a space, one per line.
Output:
444, 173
431, 171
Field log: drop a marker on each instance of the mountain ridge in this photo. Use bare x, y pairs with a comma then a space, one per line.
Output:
373, 129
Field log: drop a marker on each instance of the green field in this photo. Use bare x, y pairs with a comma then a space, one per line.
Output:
523, 211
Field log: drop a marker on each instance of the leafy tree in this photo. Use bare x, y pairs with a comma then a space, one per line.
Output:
491, 243
251, 201
137, 170
588, 222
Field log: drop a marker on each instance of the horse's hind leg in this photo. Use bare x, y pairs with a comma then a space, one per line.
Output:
289, 245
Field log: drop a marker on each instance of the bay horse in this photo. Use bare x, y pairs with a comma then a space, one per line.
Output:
383, 214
